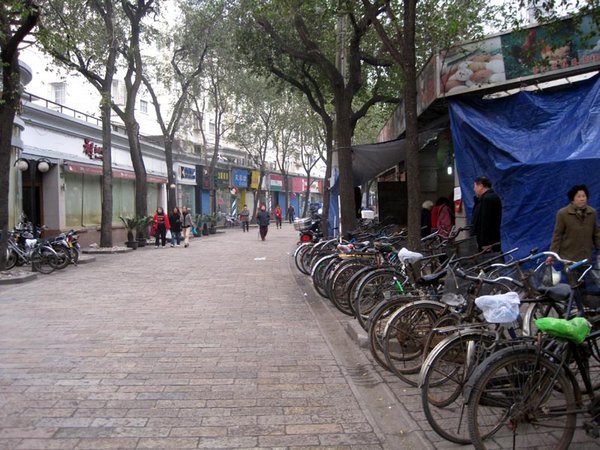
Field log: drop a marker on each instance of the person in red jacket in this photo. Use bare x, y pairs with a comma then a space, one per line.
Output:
160, 223
278, 216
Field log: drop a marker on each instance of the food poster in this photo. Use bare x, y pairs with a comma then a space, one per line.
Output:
555, 46
472, 66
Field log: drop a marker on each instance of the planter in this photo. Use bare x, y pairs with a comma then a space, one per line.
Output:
132, 244
212, 230
204, 230
141, 242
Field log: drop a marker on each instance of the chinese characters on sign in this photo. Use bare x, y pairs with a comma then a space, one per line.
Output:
92, 150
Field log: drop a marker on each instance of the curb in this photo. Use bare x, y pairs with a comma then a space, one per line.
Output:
19, 279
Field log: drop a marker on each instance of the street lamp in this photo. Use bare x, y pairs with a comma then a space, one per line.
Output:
42, 165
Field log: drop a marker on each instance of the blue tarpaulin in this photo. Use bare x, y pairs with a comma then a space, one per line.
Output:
533, 147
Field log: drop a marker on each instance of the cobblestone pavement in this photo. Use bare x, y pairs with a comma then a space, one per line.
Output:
220, 345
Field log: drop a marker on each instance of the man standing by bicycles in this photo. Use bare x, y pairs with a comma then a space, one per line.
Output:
487, 215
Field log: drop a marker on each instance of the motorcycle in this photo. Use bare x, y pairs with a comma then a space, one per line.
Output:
309, 229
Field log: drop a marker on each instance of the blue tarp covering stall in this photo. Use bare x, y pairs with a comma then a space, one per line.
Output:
534, 147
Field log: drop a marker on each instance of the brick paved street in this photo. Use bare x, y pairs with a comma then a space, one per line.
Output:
214, 346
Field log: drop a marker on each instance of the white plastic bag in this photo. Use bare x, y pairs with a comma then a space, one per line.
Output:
406, 256
501, 308
168, 235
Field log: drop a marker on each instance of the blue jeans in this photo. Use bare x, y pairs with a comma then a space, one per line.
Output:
175, 237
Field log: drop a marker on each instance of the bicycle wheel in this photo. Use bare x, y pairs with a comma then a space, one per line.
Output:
405, 335
298, 258
443, 376
376, 326
318, 274
339, 286
63, 256
520, 398
11, 259
43, 262
538, 310
374, 288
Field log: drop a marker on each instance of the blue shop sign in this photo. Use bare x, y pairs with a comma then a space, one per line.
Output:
187, 173
240, 178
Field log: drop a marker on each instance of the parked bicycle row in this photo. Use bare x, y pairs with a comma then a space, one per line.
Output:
25, 247
487, 338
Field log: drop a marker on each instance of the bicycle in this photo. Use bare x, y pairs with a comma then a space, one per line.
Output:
528, 395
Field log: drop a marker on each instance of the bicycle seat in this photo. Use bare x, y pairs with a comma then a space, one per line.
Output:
559, 293
575, 329
432, 278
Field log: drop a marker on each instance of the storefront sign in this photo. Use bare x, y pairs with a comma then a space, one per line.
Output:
187, 173
221, 178
255, 182
91, 150
276, 182
116, 173
240, 178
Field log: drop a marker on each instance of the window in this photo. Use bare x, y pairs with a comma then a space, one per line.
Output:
211, 127
198, 149
118, 92
58, 92
144, 106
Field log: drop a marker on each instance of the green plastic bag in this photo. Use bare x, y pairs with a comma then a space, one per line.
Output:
574, 330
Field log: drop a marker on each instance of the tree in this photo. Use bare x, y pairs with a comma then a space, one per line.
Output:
187, 44
85, 36
254, 127
135, 12
17, 20
441, 25
306, 35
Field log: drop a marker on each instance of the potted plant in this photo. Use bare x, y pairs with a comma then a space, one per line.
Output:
203, 222
212, 224
141, 230
130, 225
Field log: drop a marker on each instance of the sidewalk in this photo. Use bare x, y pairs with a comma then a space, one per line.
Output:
220, 345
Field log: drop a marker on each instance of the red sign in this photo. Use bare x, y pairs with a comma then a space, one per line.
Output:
92, 150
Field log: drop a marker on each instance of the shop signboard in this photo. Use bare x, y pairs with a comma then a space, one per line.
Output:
529, 55
240, 178
221, 178
255, 179
298, 184
187, 173
275, 182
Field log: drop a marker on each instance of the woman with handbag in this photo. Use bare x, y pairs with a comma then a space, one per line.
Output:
160, 223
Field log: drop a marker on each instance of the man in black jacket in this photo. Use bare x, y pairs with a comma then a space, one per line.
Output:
487, 215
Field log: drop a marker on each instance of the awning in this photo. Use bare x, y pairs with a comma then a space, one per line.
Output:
370, 160
89, 169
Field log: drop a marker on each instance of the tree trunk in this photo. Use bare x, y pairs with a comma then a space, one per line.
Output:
106, 239
11, 80
343, 139
171, 193
413, 183
326, 193
141, 188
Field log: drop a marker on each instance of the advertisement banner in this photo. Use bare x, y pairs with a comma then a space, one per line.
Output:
254, 183
316, 186
240, 178
186, 173
276, 182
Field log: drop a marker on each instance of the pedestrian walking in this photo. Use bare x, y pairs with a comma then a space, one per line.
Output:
176, 222
245, 218
160, 222
186, 225
291, 212
576, 231
487, 215
263, 218
278, 216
